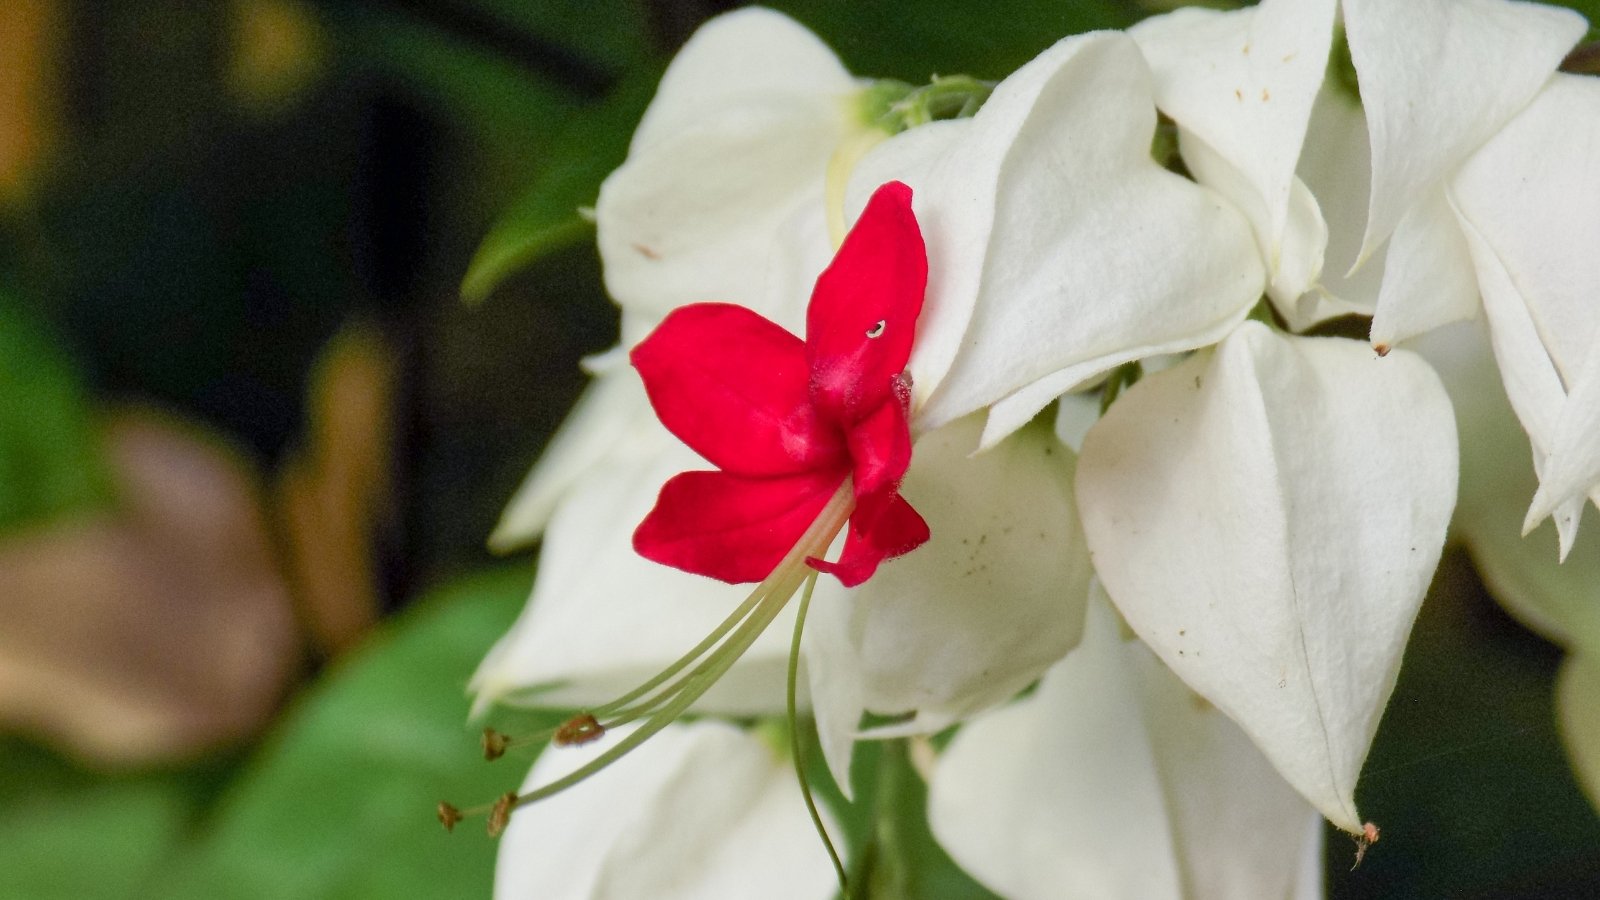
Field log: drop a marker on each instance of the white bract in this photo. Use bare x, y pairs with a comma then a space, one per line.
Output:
1266, 513
1438, 78
1482, 167
969, 619
1267, 517
735, 144
1429, 106
602, 618
1560, 602
610, 419
1113, 780
1241, 86
1526, 203
1057, 248
1481, 163
701, 812
726, 167
1335, 165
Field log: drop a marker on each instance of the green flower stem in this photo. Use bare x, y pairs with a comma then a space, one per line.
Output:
795, 753
889, 876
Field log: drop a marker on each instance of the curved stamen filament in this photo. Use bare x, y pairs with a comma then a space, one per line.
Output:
716, 654
792, 708
699, 650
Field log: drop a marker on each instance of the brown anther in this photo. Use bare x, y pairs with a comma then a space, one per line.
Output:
580, 729
449, 816
494, 744
1367, 837
500, 814
1381, 349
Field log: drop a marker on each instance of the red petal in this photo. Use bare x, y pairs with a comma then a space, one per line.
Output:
863, 313
883, 526
729, 527
880, 448
733, 386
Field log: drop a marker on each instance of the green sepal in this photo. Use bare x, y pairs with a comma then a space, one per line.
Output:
894, 106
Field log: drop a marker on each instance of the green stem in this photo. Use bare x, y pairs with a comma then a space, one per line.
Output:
794, 736
889, 875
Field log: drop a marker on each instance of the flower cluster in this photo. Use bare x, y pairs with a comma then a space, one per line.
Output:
1062, 390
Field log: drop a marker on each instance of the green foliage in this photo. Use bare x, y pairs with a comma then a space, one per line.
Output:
493, 96
547, 216
605, 34
896, 854
67, 834
50, 464
952, 37
1467, 777
893, 39
341, 803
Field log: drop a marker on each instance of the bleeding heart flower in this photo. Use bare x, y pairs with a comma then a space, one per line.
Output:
787, 421
808, 436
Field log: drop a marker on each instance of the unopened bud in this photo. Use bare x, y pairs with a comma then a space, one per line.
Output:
494, 744
449, 816
500, 814
580, 729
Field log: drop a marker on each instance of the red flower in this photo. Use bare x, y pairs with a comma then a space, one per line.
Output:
787, 421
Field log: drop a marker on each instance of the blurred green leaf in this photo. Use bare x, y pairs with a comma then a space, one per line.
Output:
892, 39
944, 37
1578, 710
341, 803
67, 834
493, 94
891, 851
912, 862
1589, 9
603, 33
50, 463
1467, 777
546, 217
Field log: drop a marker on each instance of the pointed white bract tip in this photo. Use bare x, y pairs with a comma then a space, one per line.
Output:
1344, 817
998, 424
523, 520
1540, 509
483, 698
1368, 247
1566, 530
509, 537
